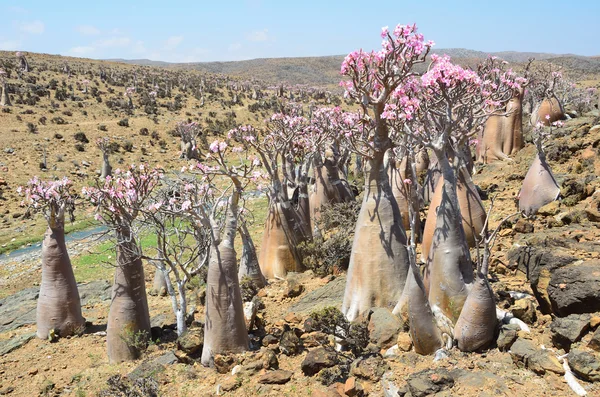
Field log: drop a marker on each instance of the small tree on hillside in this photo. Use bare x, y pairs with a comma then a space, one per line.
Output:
58, 307
119, 201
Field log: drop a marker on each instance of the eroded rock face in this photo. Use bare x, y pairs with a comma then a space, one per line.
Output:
575, 288
568, 330
429, 382
585, 365
560, 281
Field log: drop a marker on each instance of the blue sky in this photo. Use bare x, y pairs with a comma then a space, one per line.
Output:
196, 31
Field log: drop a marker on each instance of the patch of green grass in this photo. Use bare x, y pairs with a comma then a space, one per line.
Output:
99, 263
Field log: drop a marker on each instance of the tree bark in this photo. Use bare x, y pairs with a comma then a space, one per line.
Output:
128, 318
58, 305
249, 266
379, 260
449, 269
225, 327
4, 98
282, 234
539, 187
502, 135
551, 107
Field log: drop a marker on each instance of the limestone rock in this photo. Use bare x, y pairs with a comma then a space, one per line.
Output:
568, 330
585, 365
383, 327
318, 359
278, 377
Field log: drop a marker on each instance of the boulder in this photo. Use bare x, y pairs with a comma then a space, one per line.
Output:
278, 377
575, 288
404, 341
293, 287
318, 359
525, 353
289, 343
230, 383
524, 309
370, 368
331, 294
567, 330
191, 341
594, 343
538, 260
507, 336
153, 366
585, 365
429, 382
383, 327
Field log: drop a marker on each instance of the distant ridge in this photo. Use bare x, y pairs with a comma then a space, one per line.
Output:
324, 70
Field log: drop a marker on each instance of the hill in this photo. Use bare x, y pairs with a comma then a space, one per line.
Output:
324, 71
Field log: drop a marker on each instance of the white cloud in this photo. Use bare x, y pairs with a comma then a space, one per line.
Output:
114, 42
87, 30
259, 35
234, 47
172, 42
35, 27
10, 45
82, 50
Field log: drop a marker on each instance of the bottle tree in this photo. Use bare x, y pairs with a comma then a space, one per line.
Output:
119, 200
379, 260
58, 307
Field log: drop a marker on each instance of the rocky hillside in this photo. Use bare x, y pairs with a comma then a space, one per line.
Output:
545, 270
324, 71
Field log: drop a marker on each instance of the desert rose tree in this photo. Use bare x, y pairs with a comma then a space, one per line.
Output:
379, 260
502, 135
217, 210
182, 247
282, 153
539, 186
58, 307
118, 201
449, 105
4, 97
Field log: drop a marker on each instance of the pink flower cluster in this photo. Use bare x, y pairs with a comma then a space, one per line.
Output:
40, 194
121, 196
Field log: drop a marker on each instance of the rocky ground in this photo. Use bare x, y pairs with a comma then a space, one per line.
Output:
545, 270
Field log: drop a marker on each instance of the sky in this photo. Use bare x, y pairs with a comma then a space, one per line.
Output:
230, 30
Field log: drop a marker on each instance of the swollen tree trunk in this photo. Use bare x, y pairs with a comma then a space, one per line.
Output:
225, 327
249, 266
432, 177
58, 306
548, 107
324, 191
424, 332
106, 167
283, 232
128, 318
502, 135
159, 284
379, 260
471, 209
539, 186
397, 174
448, 269
4, 98
476, 326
